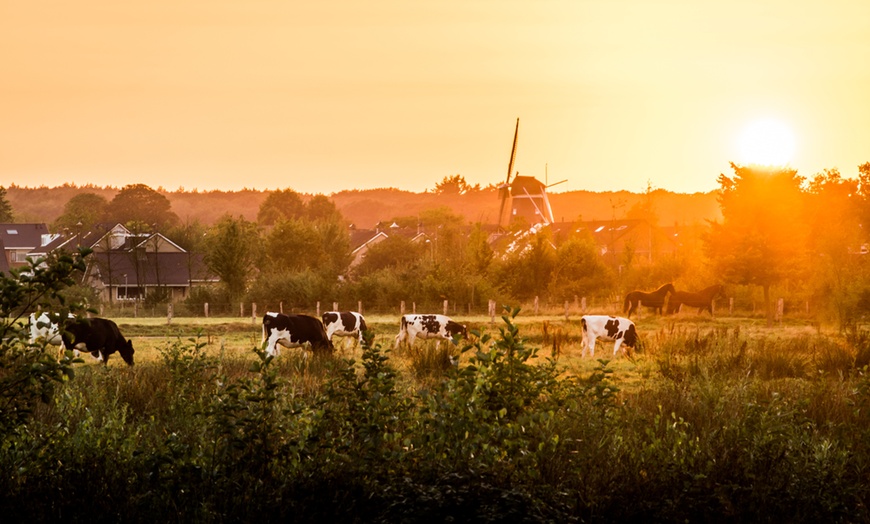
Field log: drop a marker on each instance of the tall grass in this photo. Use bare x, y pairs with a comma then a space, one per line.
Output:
727, 425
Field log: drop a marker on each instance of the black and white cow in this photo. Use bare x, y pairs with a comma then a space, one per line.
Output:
44, 331
616, 329
440, 327
344, 324
97, 335
293, 331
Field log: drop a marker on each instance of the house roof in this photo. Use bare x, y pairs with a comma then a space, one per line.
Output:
173, 269
22, 236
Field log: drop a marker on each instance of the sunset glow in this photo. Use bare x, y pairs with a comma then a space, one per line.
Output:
767, 142
327, 96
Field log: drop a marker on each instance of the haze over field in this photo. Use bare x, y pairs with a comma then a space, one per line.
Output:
330, 96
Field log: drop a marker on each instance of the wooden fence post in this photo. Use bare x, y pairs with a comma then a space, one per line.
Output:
136, 309
359, 306
205, 309
253, 312
536, 305
414, 308
318, 308
281, 307
445, 308
402, 308
335, 306
566, 310
731, 307
491, 312
242, 309
169, 313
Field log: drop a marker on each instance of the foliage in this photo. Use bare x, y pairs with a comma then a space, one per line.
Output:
454, 185
395, 252
761, 240
140, 203
6, 214
81, 212
527, 271
280, 205
232, 252
29, 372
579, 270
730, 430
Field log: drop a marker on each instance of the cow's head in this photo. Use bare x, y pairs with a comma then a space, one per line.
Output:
127, 351
456, 330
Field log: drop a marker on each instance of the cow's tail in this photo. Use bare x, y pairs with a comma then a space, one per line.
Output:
583, 334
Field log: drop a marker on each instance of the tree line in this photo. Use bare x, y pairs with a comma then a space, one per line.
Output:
781, 234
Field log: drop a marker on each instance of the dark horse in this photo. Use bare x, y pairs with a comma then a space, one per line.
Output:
703, 300
655, 300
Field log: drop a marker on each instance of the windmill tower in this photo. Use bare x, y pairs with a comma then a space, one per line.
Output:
527, 194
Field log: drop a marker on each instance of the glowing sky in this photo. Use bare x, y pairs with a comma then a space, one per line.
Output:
332, 95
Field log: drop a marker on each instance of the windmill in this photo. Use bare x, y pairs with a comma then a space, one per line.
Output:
505, 189
528, 194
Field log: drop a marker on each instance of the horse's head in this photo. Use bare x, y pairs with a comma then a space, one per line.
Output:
669, 288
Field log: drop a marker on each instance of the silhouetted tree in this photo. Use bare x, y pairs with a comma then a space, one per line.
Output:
138, 202
454, 185
6, 214
761, 238
320, 208
232, 251
579, 270
82, 211
281, 204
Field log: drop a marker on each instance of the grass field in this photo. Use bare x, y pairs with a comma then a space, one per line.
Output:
708, 419
555, 337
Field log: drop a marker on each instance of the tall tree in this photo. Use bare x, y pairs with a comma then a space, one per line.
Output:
281, 204
454, 185
140, 202
321, 208
6, 214
232, 251
82, 211
579, 270
761, 238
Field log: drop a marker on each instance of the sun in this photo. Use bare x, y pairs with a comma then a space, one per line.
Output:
766, 142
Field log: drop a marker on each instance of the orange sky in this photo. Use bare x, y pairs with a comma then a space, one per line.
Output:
333, 95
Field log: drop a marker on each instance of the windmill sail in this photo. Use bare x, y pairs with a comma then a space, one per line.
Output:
504, 189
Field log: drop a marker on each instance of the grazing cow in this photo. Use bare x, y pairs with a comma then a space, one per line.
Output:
293, 331
429, 326
97, 335
344, 324
617, 329
43, 330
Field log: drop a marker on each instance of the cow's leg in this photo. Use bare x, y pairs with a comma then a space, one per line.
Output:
616, 346
592, 346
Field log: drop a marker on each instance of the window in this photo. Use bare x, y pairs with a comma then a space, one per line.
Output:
20, 256
11, 231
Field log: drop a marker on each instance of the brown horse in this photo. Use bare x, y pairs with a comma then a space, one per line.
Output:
703, 300
655, 300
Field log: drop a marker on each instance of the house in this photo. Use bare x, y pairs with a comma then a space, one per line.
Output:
618, 239
361, 240
18, 240
126, 265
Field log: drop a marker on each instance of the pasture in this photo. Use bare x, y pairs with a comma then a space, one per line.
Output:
708, 419
661, 340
